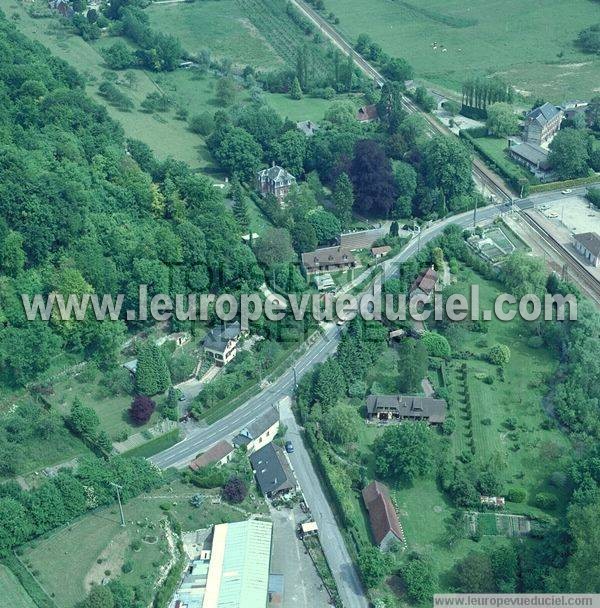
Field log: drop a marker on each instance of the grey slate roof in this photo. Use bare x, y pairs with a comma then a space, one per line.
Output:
257, 428
272, 471
361, 239
327, 256
277, 175
532, 153
408, 406
218, 337
544, 114
591, 241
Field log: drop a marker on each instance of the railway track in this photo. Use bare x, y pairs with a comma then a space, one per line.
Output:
574, 265
481, 172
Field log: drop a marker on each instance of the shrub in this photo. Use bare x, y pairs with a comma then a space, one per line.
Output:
127, 567
547, 501
202, 124
516, 495
499, 354
235, 490
141, 409
436, 345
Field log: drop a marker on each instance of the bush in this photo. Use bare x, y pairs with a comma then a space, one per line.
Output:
202, 124
436, 345
499, 354
127, 567
235, 490
516, 495
546, 501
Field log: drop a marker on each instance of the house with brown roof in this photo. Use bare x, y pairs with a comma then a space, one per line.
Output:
220, 453
380, 252
328, 259
424, 284
390, 408
367, 113
588, 245
385, 527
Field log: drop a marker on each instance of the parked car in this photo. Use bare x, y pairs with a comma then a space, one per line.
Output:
289, 447
567, 191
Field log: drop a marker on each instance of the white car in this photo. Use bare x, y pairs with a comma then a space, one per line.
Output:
567, 191
552, 214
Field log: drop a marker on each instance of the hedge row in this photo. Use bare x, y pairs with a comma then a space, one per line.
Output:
514, 179
569, 183
28, 582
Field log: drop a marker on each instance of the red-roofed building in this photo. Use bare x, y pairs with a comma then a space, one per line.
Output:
385, 527
220, 453
367, 113
424, 284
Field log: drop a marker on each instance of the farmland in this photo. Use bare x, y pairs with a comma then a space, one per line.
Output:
529, 43
13, 595
221, 26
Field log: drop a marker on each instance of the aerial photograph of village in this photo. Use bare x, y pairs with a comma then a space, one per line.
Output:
299, 303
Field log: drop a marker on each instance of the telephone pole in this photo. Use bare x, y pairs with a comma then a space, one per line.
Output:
118, 488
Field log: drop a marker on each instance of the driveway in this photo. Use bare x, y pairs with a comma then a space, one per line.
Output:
302, 587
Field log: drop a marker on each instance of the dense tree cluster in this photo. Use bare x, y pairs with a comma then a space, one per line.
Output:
59, 500
85, 211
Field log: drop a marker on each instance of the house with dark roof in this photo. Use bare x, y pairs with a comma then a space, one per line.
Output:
367, 113
424, 284
276, 181
542, 124
389, 408
272, 471
328, 259
588, 245
385, 526
222, 341
259, 432
220, 453
532, 156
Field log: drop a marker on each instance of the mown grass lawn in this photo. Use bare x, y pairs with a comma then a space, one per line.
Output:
111, 409
529, 452
528, 43
12, 593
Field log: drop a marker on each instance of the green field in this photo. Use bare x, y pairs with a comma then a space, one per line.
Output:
12, 594
72, 553
218, 25
530, 453
528, 43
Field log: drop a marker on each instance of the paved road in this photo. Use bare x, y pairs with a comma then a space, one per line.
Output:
199, 440
338, 558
